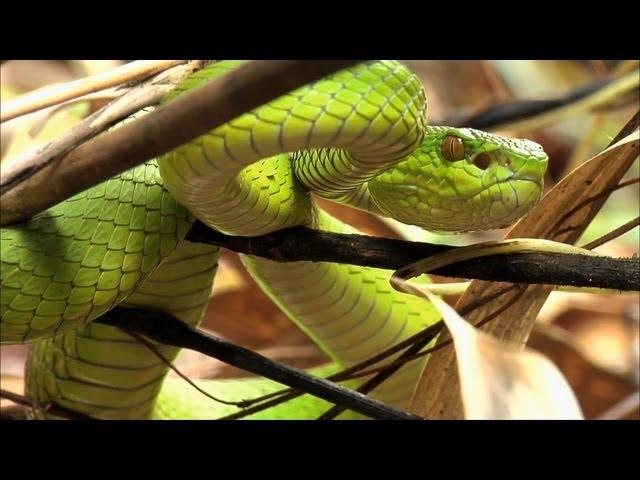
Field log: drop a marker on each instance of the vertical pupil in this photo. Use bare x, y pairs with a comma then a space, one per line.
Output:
453, 149
457, 148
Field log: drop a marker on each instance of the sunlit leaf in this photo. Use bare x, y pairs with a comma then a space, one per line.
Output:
500, 380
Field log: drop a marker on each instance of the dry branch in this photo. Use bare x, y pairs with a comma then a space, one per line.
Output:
171, 331
598, 98
51, 409
56, 94
127, 102
305, 244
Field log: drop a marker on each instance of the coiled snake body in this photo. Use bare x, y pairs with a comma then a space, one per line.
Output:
358, 137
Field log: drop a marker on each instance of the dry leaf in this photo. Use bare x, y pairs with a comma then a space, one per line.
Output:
500, 380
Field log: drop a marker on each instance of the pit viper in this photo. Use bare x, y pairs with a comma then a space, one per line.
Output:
358, 137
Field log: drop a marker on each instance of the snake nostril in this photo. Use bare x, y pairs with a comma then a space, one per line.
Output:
482, 160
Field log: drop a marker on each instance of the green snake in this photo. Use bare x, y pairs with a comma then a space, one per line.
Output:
358, 137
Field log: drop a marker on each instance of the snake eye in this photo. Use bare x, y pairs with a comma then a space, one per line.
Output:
453, 148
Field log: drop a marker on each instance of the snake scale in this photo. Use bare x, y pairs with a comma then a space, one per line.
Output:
358, 137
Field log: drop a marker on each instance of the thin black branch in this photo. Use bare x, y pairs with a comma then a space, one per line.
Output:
415, 351
424, 336
379, 378
421, 338
171, 331
282, 396
50, 408
305, 244
164, 360
521, 109
519, 291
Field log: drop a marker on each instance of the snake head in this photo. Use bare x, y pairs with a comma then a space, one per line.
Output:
461, 179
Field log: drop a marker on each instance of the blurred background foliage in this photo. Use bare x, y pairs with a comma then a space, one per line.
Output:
592, 338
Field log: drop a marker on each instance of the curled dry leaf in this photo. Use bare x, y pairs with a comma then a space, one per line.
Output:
501, 380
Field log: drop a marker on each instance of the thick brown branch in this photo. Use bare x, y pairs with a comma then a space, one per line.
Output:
301, 243
170, 126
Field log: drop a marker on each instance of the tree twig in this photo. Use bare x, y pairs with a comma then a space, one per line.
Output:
169, 126
52, 409
622, 229
53, 95
275, 398
127, 102
423, 337
305, 244
379, 378
521, 110
595, 99
164, 360
413, 353
171, 331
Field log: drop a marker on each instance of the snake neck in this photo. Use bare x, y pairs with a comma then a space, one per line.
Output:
375, 110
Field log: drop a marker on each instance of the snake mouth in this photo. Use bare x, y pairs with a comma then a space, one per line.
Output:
527, 175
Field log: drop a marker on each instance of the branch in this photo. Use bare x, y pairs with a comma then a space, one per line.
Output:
171, 125
126, 103
282, 396
496, 116
412, 353
305, 244
573, 107
56, 94
50, 408
171, 331
409, 345
379, 378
